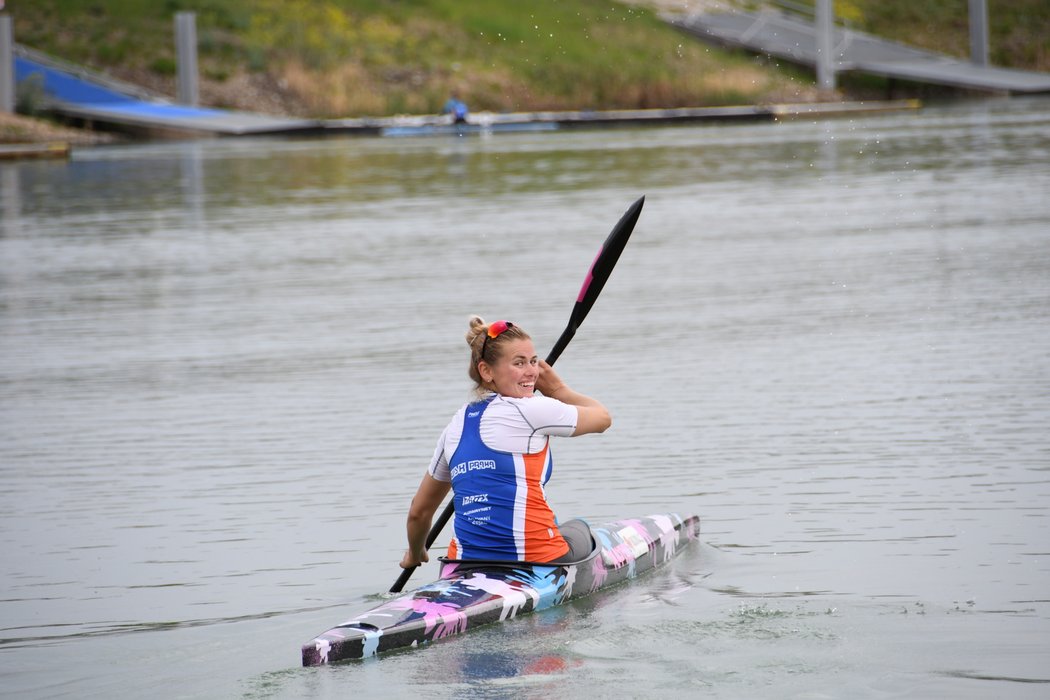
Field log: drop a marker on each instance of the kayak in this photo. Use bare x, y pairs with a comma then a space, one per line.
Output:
473, 593
465, 129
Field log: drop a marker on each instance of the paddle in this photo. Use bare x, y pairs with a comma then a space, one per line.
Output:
600, 270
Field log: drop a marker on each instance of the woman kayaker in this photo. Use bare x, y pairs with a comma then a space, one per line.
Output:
495, 456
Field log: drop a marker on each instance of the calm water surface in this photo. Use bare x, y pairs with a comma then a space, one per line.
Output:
224, 365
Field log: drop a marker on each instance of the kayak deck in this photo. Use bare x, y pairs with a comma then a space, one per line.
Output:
471, 594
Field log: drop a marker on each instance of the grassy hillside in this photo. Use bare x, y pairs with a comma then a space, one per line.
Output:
370, 57
337, 58
334, 58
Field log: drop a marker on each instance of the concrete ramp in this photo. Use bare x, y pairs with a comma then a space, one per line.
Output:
795, 40
75, 93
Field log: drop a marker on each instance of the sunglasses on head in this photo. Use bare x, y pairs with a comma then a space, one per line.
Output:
496, 329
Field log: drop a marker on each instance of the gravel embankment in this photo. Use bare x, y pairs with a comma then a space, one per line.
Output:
15, 128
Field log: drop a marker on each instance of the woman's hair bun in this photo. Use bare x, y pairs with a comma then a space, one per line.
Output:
477, 328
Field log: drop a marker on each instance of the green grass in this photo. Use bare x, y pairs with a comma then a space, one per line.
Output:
372, 57
360, 57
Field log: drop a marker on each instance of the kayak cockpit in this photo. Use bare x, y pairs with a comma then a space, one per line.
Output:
450, 567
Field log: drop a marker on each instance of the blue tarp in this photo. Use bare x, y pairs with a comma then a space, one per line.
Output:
72, 90
84, 98
65, 87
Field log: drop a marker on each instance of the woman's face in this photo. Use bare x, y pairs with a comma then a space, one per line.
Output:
514, 373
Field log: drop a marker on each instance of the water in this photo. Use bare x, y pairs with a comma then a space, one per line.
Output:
225, 365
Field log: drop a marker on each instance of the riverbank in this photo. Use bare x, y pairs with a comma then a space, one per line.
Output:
335, 59
19, 129
350, 59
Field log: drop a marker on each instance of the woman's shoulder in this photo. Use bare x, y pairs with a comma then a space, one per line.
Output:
457, 417
473, 405
528, 407
534, 400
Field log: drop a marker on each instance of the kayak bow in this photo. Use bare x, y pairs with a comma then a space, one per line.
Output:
470, 594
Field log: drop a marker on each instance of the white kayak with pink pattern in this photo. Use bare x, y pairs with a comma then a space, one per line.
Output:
474, 593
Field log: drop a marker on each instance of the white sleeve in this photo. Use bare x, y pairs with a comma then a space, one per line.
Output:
446, 447
522, 425
549, 416
439, 463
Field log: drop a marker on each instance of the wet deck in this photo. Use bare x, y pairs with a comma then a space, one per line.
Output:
489, 122
795, 40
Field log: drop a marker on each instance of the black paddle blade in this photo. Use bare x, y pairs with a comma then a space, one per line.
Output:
606, 260
600, 270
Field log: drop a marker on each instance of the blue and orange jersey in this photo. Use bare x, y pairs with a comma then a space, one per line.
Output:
501, 509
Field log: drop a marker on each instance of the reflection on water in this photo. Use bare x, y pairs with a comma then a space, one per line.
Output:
225, 365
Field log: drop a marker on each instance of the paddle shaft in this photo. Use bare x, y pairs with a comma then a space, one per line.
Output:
599, 272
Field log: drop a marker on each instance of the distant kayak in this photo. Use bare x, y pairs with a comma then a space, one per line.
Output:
465, 129
475, 593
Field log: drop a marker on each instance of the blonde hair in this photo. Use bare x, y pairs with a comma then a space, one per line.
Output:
493, 350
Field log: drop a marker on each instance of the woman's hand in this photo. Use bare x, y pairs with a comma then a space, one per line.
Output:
411, 560
548, 382
591, 415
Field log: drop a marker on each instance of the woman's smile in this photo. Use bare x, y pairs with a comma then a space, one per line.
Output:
515, 373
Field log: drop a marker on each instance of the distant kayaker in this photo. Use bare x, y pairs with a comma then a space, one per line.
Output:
495, 456
457, 108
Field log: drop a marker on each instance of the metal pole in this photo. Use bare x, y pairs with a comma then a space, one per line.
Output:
825, 61
186, 51
979, 32
7, 66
